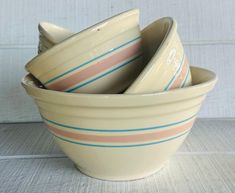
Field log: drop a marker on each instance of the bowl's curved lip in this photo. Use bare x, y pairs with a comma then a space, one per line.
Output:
45, 28
129, 97
60, 46
171, 31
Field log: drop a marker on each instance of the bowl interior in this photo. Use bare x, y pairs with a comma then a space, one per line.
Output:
156, 38
154, 35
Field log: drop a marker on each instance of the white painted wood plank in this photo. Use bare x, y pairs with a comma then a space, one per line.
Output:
211, 135
16, 106
218, 58
184, 174
198, 24
24, 140
198, 20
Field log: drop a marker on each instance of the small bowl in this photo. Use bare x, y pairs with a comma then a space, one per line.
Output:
121, 137
105, 58
167, 65
50, 35
44, 45
53, 33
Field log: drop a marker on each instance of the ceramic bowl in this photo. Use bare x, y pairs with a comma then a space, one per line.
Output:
105, 58
50, 35
167, 65
121, 136
44, 45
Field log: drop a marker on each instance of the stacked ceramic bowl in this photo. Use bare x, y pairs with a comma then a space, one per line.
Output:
118, 100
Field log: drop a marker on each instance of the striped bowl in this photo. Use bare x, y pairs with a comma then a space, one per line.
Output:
105, 58
167, 65
121, 136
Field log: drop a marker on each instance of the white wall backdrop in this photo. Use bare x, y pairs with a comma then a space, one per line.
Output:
207, 28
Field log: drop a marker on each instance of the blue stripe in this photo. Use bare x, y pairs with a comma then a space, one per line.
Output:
172, 79
122, 146
102, 75
89, 61
186, 78
119, 130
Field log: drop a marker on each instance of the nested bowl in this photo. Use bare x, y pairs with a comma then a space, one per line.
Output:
121, 136
50, 35
105, 58
167, 66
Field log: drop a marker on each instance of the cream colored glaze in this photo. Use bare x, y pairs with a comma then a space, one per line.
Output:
118, 112
53, 33
159, 40
90, 43
50, 35
206, 80
163, 54
120, 163
81, 42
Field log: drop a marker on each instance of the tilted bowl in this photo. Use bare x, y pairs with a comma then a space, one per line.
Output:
105, 58
167, 66
121, 136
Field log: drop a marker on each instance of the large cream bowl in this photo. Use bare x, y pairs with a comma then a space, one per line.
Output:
121, 136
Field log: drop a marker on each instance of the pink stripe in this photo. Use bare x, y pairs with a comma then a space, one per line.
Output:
125, 138
178, 81
96, 68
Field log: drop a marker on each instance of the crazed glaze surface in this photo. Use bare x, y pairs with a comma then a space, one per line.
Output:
105, 58
121, 136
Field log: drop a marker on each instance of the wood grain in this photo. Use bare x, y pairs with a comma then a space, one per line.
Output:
220, 102
15, 104
184, 174
24, 140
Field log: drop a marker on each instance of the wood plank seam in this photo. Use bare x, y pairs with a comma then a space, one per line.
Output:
48, 156
186, 43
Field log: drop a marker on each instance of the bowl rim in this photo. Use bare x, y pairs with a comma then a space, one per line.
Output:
171, 32
127, 99
44, 28
58, 47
